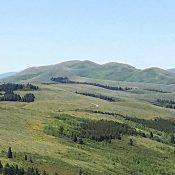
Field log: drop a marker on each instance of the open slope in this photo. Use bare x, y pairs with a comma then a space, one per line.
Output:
109, 71
22, 126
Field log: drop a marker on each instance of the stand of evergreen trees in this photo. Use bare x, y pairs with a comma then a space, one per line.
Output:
105, 113
156, 90
164, 125
167, 126
103, 130
103, 97
66, 80
11, 96
28, 98
159, 124
15, 170
14, 87
109, 87
62, 80
165, 103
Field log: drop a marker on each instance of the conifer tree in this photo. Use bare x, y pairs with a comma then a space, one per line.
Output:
10, 154
80, 172
37, 172
81, 141
61, 130
151, 134
1, 168
74, 138
131, 142
25, 157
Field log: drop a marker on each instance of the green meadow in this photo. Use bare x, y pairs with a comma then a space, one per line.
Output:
31, 129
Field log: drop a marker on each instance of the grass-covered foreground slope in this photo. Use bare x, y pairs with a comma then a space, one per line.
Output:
109, 71
33, 129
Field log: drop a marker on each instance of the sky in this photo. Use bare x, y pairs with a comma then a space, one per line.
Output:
42, 32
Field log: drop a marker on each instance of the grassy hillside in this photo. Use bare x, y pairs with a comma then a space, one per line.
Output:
109, 71
24, 127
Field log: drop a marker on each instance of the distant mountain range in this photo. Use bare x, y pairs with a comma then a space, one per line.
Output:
109, 71
171, 70
8, 74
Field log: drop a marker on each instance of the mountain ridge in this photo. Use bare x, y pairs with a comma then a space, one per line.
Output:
7, 74
108, 71
171, 70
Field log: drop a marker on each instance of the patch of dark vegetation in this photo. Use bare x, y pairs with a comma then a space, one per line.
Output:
103, 97
28, 98
8, 94
131, 142
165, 103
64, 126
78, 130
11, 96
66, 80
156, 90
62, 80
159, 124
104, 130
14, 87
13, 169
105, 113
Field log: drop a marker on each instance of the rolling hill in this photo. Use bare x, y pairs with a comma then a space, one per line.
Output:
171, 71
48, 131
33, 130
110, 71
8, 74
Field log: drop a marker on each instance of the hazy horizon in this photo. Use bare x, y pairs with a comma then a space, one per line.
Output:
34, 33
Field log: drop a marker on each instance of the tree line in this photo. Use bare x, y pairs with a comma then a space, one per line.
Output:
11, 96
104, 112
66, 80
15, 170
156, 90
139, 121
165, 103
159, 124
103, 97
14, 87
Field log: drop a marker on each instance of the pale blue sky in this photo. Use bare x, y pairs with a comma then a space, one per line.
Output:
39, 32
